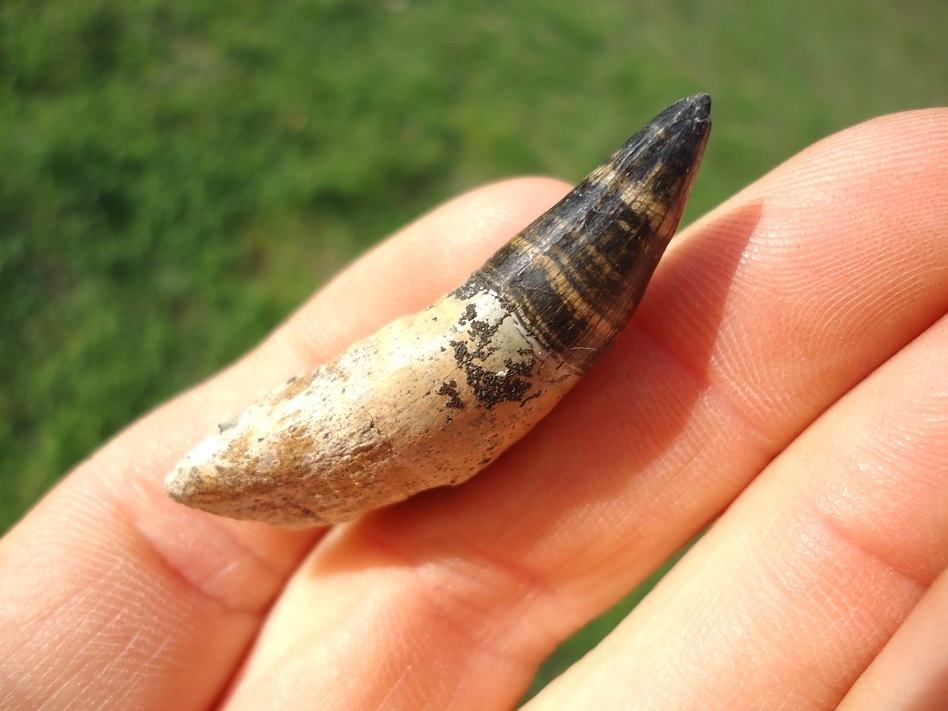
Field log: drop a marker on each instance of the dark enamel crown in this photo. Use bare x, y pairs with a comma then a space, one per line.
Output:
576, 274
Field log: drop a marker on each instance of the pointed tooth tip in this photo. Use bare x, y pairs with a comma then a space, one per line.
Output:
700, 101
697, 105
690, 116
702, 104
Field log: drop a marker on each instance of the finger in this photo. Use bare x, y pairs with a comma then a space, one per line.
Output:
110, 594
762, 315
911, 671
793, 592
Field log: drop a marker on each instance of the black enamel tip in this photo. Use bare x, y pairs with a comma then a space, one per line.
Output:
699, 105
693, 110
576, 274
667, 149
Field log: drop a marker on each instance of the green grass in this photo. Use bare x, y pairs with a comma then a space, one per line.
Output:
176, 176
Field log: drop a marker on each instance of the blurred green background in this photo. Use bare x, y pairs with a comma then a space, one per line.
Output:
176, 176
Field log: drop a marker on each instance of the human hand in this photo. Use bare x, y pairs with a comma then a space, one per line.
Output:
785, 372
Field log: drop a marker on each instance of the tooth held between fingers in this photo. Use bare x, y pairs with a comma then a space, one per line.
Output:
433, 398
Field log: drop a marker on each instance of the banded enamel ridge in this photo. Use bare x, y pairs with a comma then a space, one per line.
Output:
434, 397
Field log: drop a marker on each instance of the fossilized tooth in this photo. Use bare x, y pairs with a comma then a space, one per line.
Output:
433, 398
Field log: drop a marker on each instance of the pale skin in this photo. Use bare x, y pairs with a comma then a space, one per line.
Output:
785, 374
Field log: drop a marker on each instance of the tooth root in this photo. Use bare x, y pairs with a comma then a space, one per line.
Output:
434, 397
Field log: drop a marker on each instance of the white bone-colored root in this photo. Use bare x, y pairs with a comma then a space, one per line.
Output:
429, 400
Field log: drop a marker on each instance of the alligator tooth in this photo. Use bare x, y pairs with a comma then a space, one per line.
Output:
433, 398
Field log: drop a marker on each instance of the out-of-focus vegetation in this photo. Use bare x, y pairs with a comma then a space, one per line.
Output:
176, 176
